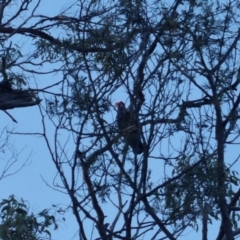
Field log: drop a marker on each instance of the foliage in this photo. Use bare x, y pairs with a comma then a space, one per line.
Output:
17, 223
182, 58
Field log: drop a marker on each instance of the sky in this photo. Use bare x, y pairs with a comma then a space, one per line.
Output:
28, 183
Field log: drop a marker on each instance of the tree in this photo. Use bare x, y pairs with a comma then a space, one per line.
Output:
17, 223
183, 59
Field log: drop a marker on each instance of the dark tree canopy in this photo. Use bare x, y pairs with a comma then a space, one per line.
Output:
176, 64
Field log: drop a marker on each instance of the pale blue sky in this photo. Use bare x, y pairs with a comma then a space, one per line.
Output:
27, 183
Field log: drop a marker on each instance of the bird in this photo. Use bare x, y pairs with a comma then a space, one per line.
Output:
129, 128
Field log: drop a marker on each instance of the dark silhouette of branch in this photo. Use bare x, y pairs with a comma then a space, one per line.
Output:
14, 120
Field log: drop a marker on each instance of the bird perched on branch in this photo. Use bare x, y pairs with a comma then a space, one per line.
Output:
127, 125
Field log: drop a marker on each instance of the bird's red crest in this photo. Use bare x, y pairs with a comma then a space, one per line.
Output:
119, 104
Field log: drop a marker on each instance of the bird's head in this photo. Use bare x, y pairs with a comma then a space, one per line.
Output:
121, 110
120, 105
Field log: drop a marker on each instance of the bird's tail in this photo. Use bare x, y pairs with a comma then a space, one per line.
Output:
137, 146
